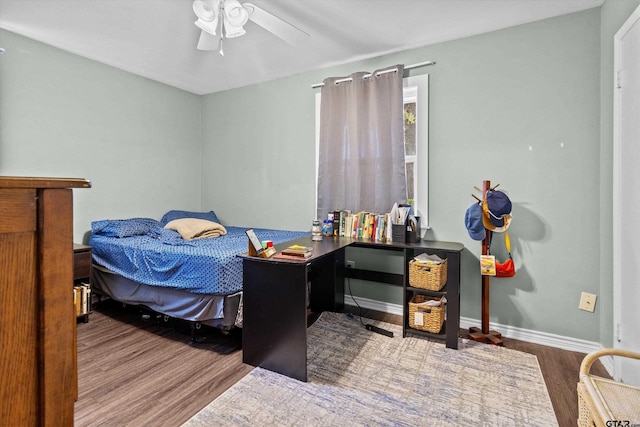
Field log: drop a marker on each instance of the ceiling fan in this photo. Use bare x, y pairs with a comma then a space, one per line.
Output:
229, 16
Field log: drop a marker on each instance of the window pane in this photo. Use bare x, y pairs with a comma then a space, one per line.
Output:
410, 129
410, 170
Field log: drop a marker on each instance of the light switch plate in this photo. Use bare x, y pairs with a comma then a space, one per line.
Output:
587, 302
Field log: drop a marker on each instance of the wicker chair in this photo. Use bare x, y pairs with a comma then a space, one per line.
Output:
601, 399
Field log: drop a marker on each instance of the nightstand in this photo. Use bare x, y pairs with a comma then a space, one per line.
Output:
82, 281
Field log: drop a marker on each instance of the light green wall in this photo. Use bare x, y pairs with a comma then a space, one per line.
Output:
136, 140
258, 155
520, 107
492, 97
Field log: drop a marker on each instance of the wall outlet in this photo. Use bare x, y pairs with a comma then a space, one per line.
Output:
587, 302
350, 264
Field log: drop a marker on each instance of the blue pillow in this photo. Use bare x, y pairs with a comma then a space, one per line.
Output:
123, 227
171, 215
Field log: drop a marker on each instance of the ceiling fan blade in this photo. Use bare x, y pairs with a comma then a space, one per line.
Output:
207, 41
272, 23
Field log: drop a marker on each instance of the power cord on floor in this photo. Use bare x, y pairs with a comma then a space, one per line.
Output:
368, 326
356, 302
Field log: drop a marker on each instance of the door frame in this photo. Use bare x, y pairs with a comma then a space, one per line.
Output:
617, 197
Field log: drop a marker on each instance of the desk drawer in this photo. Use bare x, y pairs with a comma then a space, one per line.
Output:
81, 264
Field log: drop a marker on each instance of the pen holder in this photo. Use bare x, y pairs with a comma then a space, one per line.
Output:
413, 230
409, 232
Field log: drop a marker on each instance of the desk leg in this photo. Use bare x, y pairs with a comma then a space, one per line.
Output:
327, 283
453, 298
274, 332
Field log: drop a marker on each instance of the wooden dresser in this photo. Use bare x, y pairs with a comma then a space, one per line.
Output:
37, 319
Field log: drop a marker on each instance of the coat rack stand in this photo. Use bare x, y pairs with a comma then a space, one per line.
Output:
484, 334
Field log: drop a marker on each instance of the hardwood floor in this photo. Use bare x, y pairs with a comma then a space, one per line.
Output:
134, 370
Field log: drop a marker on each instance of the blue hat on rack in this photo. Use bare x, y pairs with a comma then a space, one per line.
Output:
497, 209
473, 222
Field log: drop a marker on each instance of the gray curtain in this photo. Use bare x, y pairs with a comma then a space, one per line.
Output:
361, 160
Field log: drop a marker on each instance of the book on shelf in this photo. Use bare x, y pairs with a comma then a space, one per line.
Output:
336, 223
82, 299
76, 301
340, 219
361, 225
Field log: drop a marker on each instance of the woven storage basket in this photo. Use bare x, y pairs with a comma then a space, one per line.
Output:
432, 317
431, 277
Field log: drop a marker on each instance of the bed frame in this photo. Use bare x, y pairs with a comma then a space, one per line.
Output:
221, 312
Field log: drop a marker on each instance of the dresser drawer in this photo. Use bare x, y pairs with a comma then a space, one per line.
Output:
18, 210
81, 263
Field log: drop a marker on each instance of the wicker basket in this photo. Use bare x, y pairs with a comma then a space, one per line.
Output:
584, 410
603, 401
430, 319
431, 277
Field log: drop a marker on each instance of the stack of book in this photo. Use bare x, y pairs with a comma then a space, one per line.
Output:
82, 299
296, 252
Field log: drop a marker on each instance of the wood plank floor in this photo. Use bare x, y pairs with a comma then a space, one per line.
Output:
135, 371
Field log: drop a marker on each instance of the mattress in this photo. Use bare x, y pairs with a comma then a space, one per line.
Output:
143, 251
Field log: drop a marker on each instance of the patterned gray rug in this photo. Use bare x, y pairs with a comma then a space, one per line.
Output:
357, 377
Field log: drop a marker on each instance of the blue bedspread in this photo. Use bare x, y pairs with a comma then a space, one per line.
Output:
141, 250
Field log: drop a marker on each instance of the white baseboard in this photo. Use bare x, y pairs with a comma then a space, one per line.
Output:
536, 337
372, 304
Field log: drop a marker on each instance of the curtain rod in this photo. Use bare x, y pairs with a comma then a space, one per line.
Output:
408, 67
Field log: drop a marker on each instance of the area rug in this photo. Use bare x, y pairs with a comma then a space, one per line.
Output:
360, 378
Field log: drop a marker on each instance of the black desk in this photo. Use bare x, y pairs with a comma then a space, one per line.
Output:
277, 293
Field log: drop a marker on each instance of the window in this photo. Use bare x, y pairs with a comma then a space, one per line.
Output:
410, 144
416, 143
416, 120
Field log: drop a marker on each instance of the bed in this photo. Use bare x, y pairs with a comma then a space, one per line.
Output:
184, 266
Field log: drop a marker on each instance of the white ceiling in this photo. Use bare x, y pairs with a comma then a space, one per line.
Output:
157, 38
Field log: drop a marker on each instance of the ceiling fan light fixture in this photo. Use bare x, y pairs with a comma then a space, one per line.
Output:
230, 31
213, 15
206, 10
235, 16
209, 27
235, 13
208, 13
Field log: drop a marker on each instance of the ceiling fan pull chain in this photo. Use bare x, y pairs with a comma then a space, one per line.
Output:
220, 51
